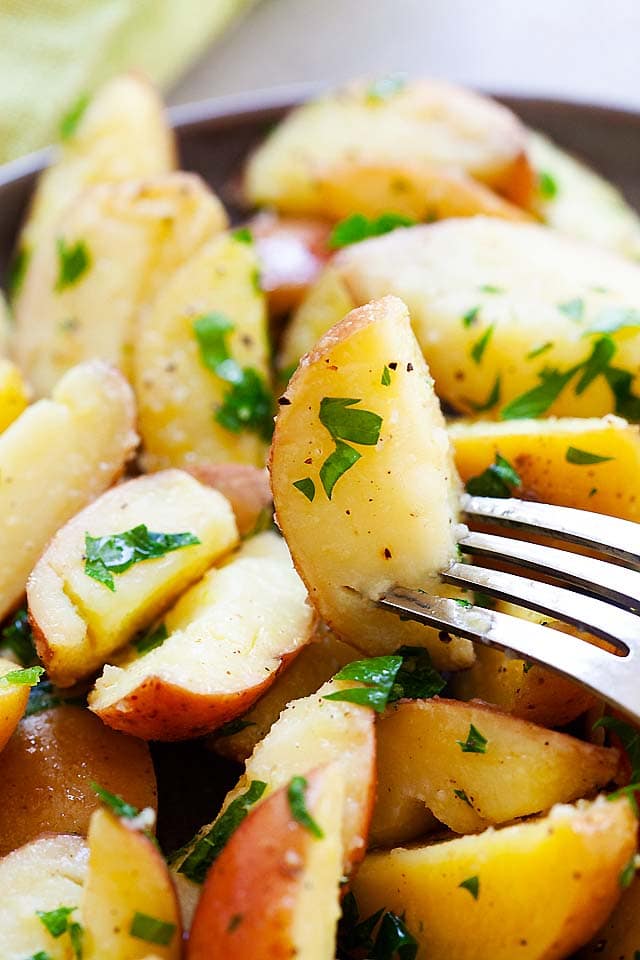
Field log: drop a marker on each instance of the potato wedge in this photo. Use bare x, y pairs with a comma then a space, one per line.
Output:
14, 393
618, 939
13, 702
592, 464
129, 907
574, 199
470, 791
85, 432
541, 888
390, 145
5, 326
316, 663
246, 488
537, 323
43, 875
48, 767
179, 396
77, 619
121, 135
228, 637
275, 889
392, 518
108, 254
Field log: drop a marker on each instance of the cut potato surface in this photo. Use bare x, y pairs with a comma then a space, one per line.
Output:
14, 393
78, 620
13, 701
43, 875
179, 395
129, 907
49, 766
227, 639
323, 657
576, 200
469, 790
108, 255
361, 519
518, 307
275, 889
246, 488
534, 890
426, 139
54, 459
592, 464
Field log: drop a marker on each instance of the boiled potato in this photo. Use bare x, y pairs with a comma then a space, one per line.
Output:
228, 637
43, 875
392, 518
514, 320
129, 906
469, 791
246, 488
14, 393
618, 939
48, 768
576, 200
108, 254
274, 890
323, 657
121, 135
54, 459
423, 148
592, 464
535, 890
178, 394
5, 325
78, 620
13, 701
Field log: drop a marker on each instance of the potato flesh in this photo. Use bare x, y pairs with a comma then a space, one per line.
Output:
618, 939
14, 394
425, 125
127, 875
544, 886
13, 701
392, 518
79, 622
54, 459
43, 875
538, 451
53, 758
135, 234
177, 394
431, 766
228, 636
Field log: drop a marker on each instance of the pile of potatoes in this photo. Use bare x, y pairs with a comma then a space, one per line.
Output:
405, 795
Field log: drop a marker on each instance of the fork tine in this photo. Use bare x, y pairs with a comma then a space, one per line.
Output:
603, 673
594, 577
616, 626
609, 535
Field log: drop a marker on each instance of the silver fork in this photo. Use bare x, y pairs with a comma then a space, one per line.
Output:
604, 598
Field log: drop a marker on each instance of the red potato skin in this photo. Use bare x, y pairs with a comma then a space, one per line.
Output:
248, 899
246, 488
157, 710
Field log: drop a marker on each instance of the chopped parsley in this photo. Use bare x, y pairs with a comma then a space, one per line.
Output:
205, 849
344, 423
24, 677
385, 87
629, 737
470, 317
151, 639
234, 726
627, 874
243, 235
538, 351
490, 288
479, 347
492, 399
472, 884
44, 696
248, 403
119, 807
537, 401
256, 280
297, 804
526, 666
336, 465
356, 937
406, 674
498, 480
574, 309
18, 637
144, 927
385, 379
547, 185
583, 457
307, 487
40, 955
462, 795
475, 742
73, 262
57, 922
73, 116
417, 678
105, 556
18, 270
357, 227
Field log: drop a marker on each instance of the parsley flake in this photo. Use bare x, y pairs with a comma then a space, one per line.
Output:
357, 227
538, 351
73, 262
24, 677
336, 465
73, 116
583, 457
475, 742
56, 921
492, 399
344, 423
408, 673
472, 884
479, 347
107, 555
297, 804
307, 487
629, 737
498, 480
490, 288
234, 726
119, 807
243, 235
144, 927
18, 270
462, 795
150, 640
537, 401
547, 185
385, 379
627, 875
356, 937
18, 637
470, 317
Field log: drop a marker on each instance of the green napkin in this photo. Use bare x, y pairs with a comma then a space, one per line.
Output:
52, 51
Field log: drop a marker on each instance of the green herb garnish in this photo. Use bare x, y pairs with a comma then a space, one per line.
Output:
385, 379
498, 480
475, 742
547, 185
574, 309
583, 457
56, 921
18, 637
470, 317
73, 116
24, 677
479, 347
472, 884
406, 674
336, 465
151, 640
537, 401
627, 875
356, 936
234, 726
297, 804
461, 795
73, 262
18, 270
490, 288
144, 927
105, 556
492, 399
243, 235
357, 227
417, 678
629, 737
539, 350
307, 487
345, 423
44, 696
119, 807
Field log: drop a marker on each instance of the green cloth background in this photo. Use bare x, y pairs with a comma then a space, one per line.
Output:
52, 51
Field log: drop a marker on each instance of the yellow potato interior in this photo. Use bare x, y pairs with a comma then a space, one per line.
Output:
13, 700
14, 393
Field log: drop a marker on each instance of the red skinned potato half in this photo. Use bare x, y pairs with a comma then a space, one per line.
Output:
245, 487
274, 891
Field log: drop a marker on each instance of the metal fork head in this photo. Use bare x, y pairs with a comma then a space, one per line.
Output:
604, 599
